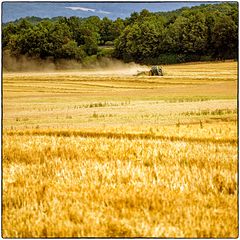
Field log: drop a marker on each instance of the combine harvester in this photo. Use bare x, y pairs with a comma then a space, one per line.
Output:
154, 71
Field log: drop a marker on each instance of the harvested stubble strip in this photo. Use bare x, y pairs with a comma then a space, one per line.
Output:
130, 136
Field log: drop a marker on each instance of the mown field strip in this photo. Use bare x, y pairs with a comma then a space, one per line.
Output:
129, 136
169, 79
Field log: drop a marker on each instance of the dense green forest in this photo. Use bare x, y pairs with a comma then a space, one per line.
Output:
206, 32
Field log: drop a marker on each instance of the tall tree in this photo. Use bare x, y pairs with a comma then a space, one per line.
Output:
225, 37
188, 34
140, 40
106, 30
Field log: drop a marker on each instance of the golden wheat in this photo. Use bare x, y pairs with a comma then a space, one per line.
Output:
103, 156
66, 186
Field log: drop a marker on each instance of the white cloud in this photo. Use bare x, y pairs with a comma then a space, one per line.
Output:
82, 9
88, 10
104, 12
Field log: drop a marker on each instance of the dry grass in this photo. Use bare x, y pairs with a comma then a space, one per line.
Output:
119, 156
60, 186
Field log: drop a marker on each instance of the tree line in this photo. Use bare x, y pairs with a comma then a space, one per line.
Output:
205, 32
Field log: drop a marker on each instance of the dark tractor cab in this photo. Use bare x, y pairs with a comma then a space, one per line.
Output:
156, 71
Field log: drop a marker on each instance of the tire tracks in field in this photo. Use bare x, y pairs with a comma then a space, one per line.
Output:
129, 136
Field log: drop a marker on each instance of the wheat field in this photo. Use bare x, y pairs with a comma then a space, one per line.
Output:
109, 154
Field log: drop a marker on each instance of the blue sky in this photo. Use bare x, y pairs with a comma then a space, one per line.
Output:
14, 10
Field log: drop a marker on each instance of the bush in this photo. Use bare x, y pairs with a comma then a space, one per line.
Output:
105, 52
89, 61
70, 50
